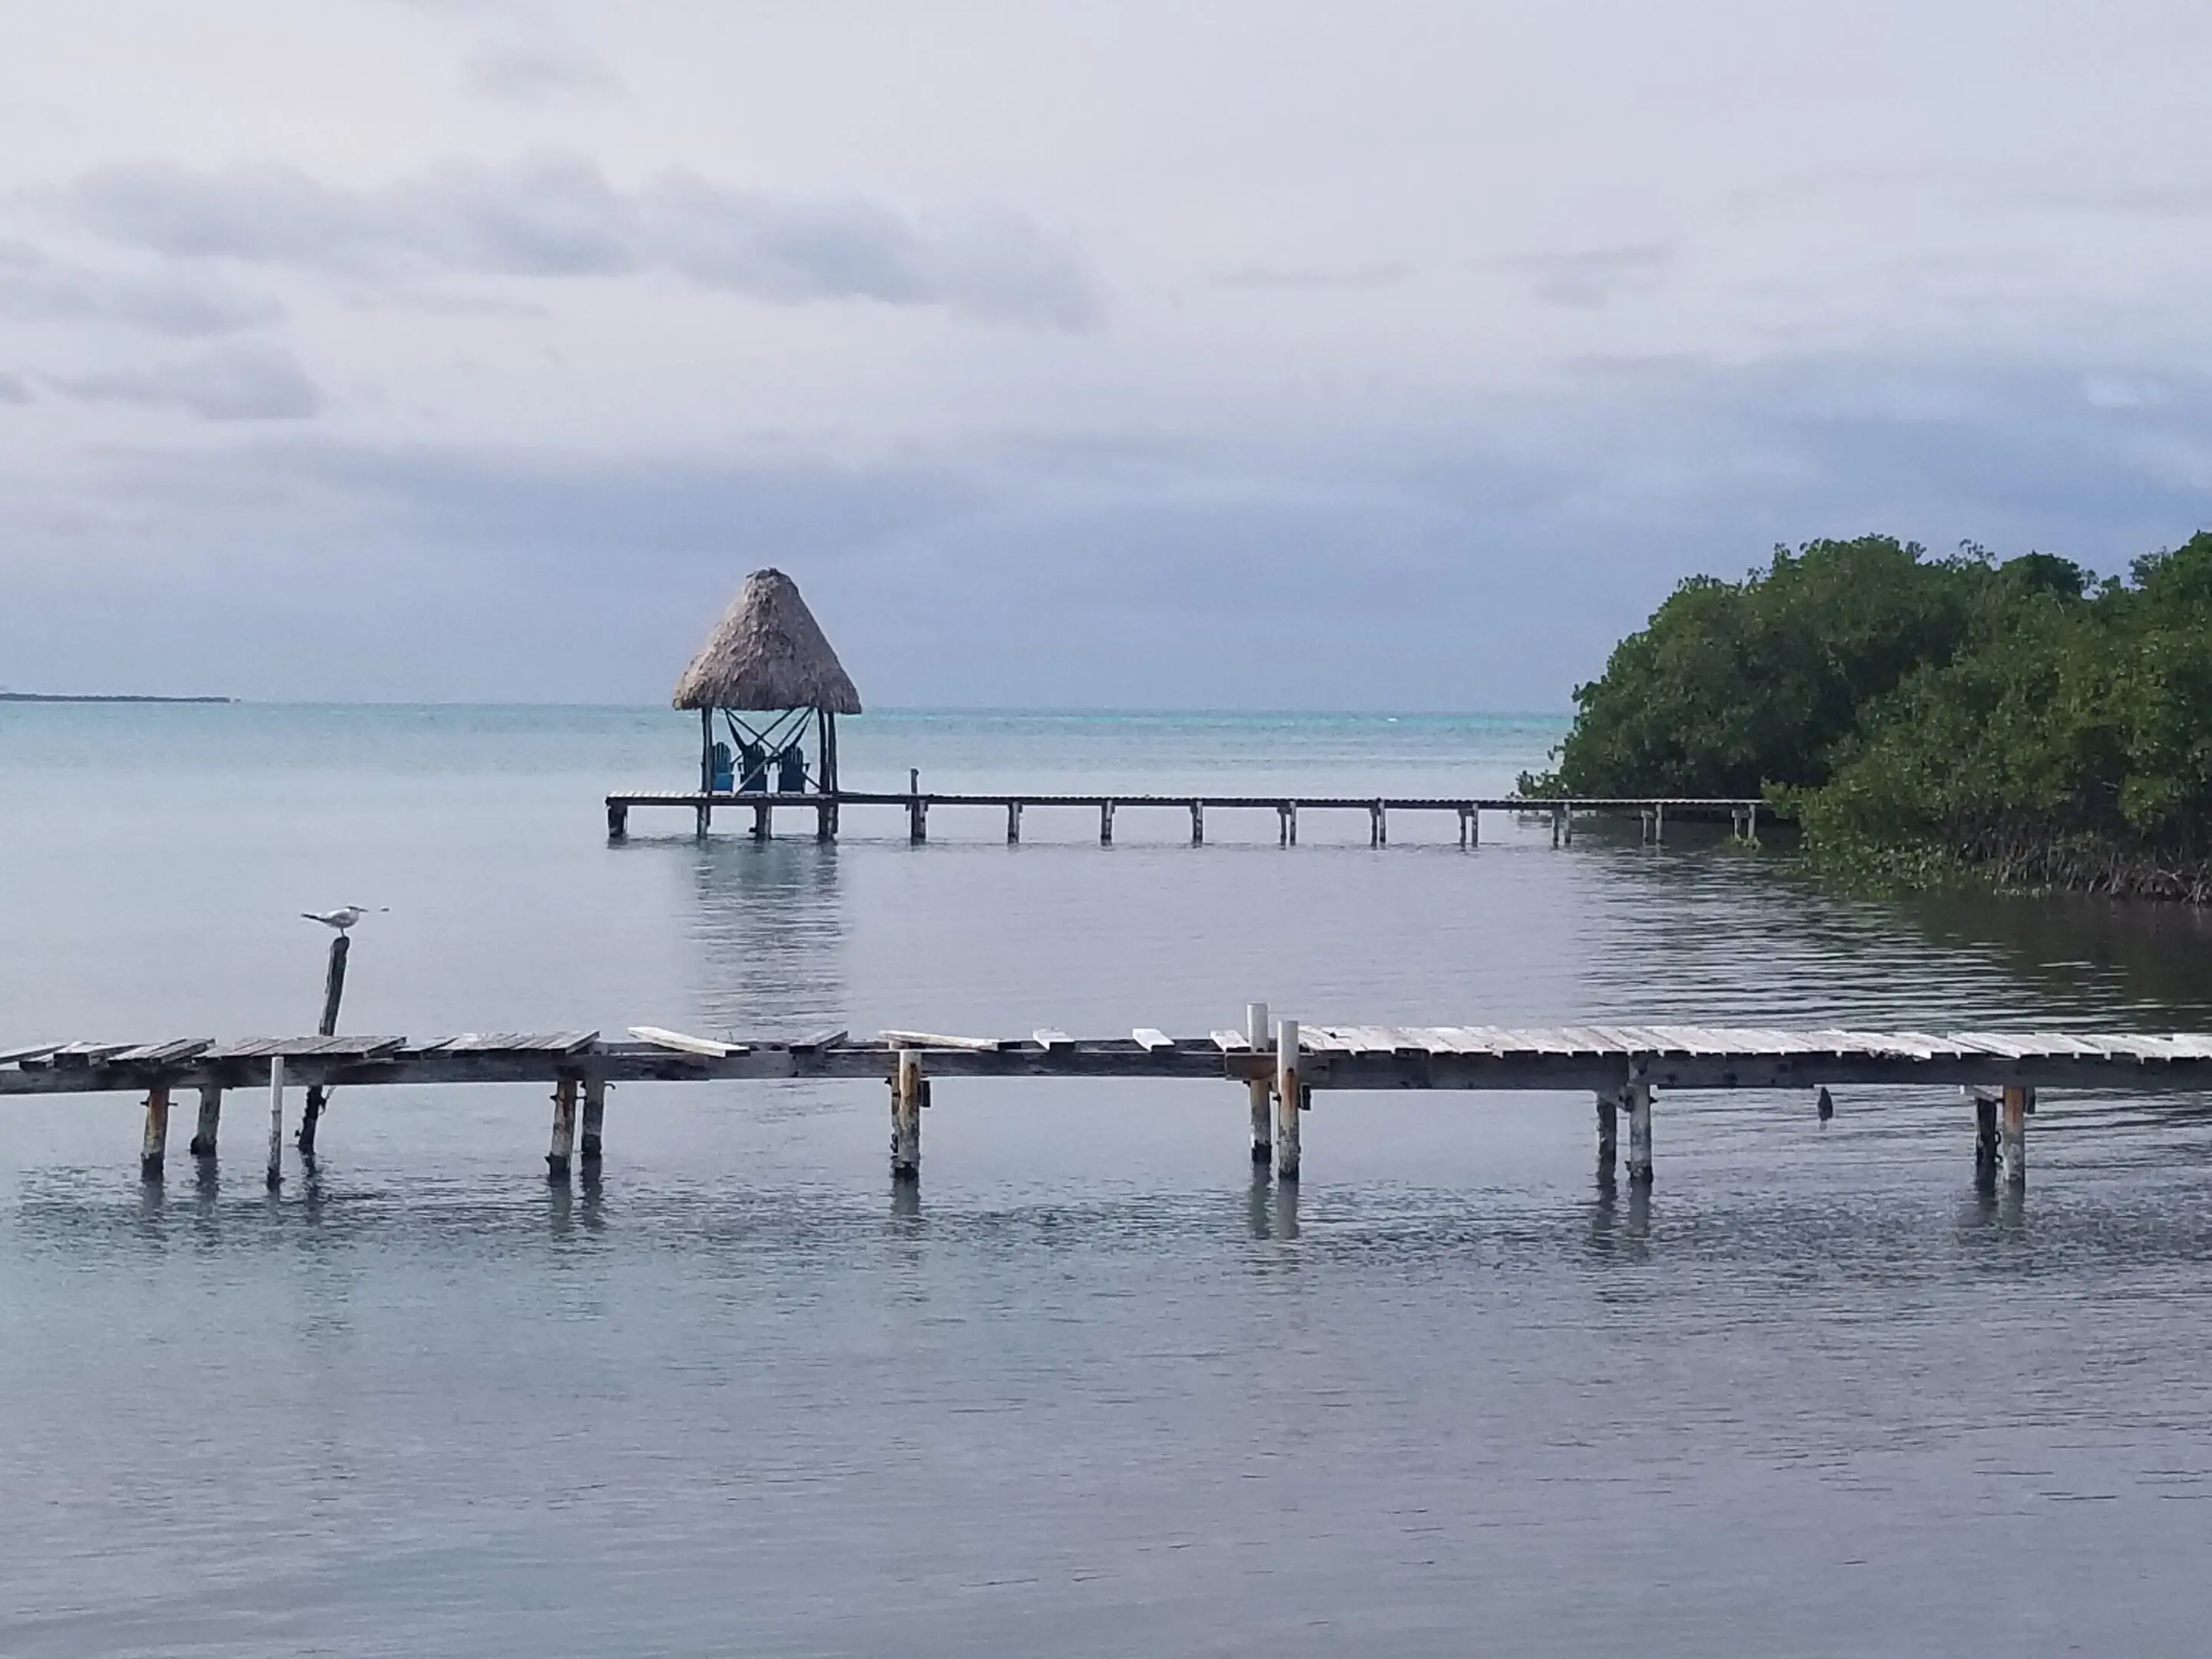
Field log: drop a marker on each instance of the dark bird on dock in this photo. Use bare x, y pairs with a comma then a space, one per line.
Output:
341, 918
1826, 1107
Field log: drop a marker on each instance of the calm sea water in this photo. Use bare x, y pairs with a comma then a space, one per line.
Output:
1096, 1391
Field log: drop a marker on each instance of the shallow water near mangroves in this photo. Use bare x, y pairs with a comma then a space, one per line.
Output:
1093, 1390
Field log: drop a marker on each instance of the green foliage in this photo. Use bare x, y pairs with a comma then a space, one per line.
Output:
1927, 719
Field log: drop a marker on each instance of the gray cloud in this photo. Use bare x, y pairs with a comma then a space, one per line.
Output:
35, 287
12, 389
537, 71
1594, 278
558, 216
241, 384
1296, 278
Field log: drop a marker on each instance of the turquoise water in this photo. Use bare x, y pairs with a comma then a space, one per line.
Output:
1094, 1390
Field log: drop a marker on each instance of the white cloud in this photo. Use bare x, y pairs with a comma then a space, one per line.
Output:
232, 384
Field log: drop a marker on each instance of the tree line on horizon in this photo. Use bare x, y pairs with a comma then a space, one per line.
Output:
1927, 719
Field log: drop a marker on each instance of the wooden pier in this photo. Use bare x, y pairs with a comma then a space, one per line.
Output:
1742, 815
1280, 1067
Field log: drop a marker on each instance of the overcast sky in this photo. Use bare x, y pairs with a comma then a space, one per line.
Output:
1271, 355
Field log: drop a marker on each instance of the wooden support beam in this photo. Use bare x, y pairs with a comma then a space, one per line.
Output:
595, 1118
1198, 823
907, 1087
1106, 823
705, 813
564, 1129
764, 826
1608, 1138
275, 1121
1378, 829
1638, 1097
154, 1147
1013, 821
826, 821
1289, 1093
1659, 823
618, 820
1257, 1037
1558, 818
203, 1133
917, 812
1985, 1132
2013, 1132
333, 994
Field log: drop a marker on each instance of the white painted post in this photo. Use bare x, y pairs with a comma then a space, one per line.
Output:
2014, 1133
1286, 1100
906, 1117
275, 1121
1257, 1037
1639, 1133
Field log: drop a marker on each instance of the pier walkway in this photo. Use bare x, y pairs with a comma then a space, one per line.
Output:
1742, 815
1280, 1066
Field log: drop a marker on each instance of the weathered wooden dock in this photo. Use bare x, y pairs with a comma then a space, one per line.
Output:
1742, 815
1280, 1067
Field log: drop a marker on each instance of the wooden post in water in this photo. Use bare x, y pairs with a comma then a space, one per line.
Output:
1639, 1098
762, 827
1985, 1132
1286, 1100
1198, 823
154, 1148
1013, 821
1557, 816
203, 1133
275, 1121
595, 1117
906, 1117
1378, 830
1608, 1137
2017, 1104
1106, 823
564, 1129
917, 813
1658, 823
618, 820
333, 990
1256, 1036
705, 813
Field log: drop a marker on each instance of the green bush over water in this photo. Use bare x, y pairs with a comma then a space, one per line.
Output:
1930, 718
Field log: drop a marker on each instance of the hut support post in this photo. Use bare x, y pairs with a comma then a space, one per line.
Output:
1256, 1036
1287, 1094
1106, 823
595, 1118
706, 768
1658, 823
275, 1121
761, 825
2018, 1102
618, 820
154, 1147
907, 1086
1198, 823
1378, 826
1638, 1097
1608, 1138
1985, 1132
564, 1129
333, 992
204, 1133
825, 755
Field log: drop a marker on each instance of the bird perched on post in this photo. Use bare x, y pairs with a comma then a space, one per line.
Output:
343, 917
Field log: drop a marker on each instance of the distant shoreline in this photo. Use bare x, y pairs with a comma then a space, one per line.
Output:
64, 696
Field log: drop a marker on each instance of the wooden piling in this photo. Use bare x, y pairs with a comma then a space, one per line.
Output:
1287, 1097
595, 1117
618, 820
2013, 1130
275, 1121
1985, 1132
1658, 823
1608, 1132
1556, 816
1197, 823
826, 821
764, 825
1257, 1037
1106, 823
906, 1117
203, 1133
1379, 827
917, 810
706, 768
1013, 821
1639, 1098
333, 994
154, 1147
564, 1129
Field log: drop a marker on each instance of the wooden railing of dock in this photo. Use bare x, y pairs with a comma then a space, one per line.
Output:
1653, 811
1281, 1066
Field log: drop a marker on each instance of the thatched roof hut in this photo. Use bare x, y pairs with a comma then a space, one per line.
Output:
767, 653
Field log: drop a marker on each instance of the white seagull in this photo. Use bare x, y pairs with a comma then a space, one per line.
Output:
341, 918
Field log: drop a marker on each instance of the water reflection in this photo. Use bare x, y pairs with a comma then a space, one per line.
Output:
770, 922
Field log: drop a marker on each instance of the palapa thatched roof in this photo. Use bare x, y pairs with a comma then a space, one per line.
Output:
768, 651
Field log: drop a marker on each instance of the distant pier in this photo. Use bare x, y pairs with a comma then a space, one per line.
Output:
1742, 815
1280, 1067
